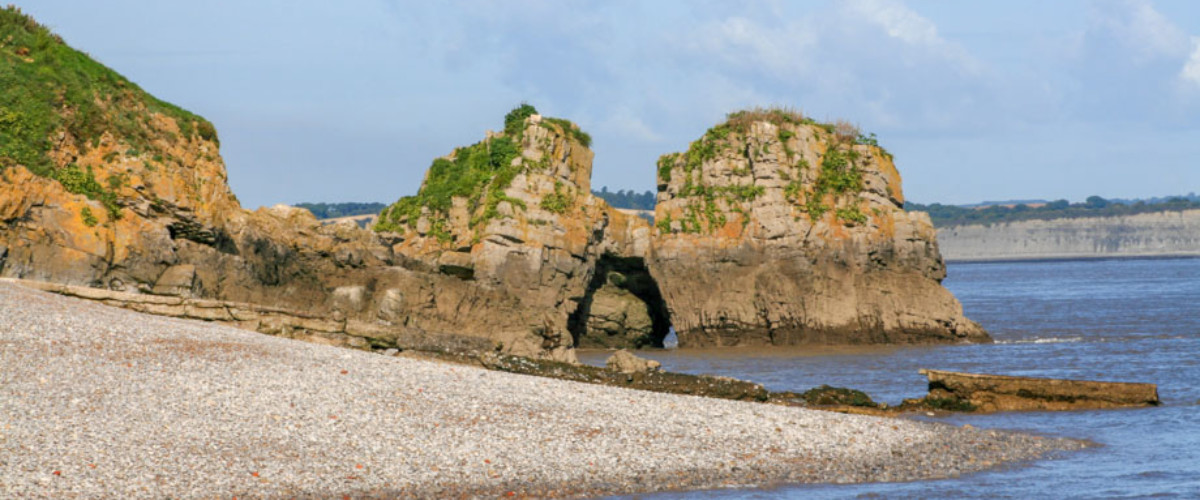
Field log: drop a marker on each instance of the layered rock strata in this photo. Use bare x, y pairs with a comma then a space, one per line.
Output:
990, 393
771, 228
1161, 234
104, 186
514, 217
774, 229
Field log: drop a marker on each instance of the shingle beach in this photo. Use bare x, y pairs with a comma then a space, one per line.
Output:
103, 402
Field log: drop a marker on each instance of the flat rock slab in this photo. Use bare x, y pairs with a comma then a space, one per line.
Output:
1008, 393
101, 402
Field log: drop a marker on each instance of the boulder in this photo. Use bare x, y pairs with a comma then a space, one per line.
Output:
625, 362
617, 318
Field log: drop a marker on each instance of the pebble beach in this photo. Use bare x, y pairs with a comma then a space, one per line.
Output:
104, 402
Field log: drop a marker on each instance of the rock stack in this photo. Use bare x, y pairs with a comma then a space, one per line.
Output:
775, 229
771, 229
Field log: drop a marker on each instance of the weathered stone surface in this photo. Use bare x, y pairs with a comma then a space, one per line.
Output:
522, 263
617, 318
176, 280
457, 264
773, 230
521, 260
990, 393
625, 362
350, 299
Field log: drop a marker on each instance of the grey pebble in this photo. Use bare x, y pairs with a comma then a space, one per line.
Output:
126, 404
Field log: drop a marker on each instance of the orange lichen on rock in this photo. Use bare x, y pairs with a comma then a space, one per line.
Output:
826, 249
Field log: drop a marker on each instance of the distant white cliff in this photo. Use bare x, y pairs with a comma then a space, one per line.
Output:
1161, 234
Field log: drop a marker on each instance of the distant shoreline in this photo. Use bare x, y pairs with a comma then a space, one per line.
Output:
1173, 234
1069, 258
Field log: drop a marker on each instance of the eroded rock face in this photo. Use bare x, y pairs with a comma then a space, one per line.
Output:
510, 270
617, 317
773, 229
625, 362
521, 242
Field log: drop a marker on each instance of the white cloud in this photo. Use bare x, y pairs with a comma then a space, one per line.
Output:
902, 23
898, 21
1191, 70
746, 42
1137, 25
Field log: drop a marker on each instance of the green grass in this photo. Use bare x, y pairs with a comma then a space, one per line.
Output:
479, 173
47, 87
664, 224
89, 219
557, 202
82, 181
571, 128
851, 216
839, 174
514, 121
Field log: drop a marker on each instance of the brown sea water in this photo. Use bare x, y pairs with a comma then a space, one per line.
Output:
1120, 320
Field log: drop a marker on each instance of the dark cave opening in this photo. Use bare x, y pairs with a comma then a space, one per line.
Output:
622, 307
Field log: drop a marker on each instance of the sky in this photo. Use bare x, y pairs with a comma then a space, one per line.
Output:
352, 100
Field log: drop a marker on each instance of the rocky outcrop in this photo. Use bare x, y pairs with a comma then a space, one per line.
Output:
277, 321
617, 314
1161, 234
625, 362
513, 219
990, 393
771, 228
774, 229
130, 195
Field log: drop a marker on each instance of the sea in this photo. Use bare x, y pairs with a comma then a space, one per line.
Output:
1127, 320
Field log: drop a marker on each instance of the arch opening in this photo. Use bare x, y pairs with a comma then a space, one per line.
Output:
622, 307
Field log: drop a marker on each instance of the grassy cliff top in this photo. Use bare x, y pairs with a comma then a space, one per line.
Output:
47, 87
839, 176
479, 173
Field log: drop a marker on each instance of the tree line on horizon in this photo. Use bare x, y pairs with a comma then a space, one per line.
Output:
942, 215
335, 210
1093, 206
629, 199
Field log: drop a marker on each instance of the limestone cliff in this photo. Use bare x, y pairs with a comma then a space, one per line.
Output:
772, 229
1161, 234
105, 186
513, 216
775, 229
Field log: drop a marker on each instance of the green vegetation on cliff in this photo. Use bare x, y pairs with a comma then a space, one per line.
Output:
1094, 206
839, 176
46, 87
839, 173
478, 174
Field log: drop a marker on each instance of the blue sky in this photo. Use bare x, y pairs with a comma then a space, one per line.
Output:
351, 100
